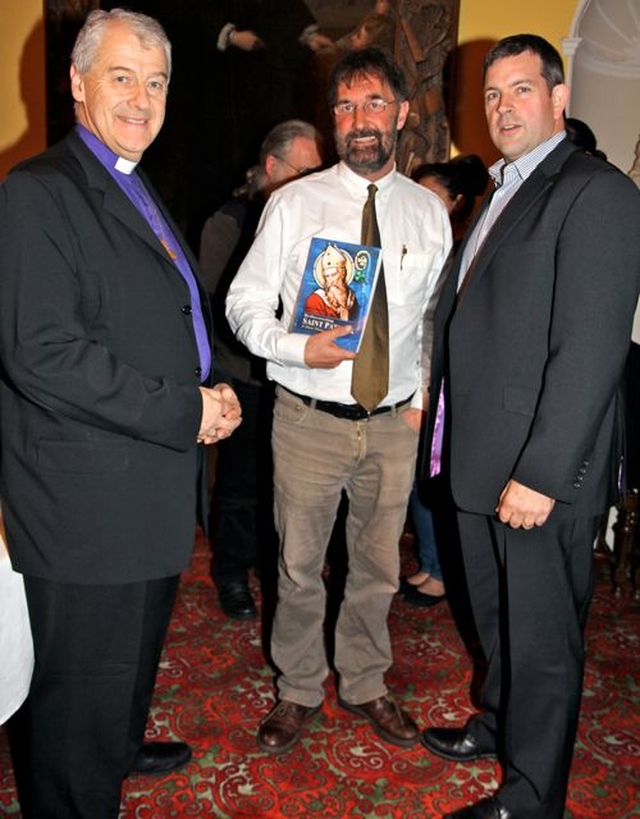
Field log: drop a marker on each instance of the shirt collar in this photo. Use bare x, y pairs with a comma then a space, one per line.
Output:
525, 165
358, 184
106, 156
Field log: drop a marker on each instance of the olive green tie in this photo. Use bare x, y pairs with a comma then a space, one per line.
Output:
370, 380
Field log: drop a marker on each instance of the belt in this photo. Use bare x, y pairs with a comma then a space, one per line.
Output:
352, 412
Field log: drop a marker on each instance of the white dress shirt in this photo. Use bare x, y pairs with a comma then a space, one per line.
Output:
416, 239
507, 178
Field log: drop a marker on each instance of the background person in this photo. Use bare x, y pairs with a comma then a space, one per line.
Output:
16, 645
581, 135
242, 529
458, 183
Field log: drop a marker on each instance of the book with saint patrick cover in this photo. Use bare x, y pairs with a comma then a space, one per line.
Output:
336, 289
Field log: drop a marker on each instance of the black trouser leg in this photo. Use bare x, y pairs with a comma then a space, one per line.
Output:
96, 650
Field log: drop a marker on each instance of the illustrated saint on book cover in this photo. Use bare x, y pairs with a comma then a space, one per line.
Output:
336, 289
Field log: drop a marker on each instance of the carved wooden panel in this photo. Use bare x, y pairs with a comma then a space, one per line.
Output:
425, 40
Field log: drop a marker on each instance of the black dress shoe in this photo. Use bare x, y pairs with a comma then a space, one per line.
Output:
236, 601
161, 757
486, 809
413, 597
456, 744
404, 586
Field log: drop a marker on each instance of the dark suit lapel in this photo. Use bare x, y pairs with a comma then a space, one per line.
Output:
517, 209
115, 201
454, 273
191, 259
118, 204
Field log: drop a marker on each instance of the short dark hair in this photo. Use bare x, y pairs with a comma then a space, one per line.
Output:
552, 68
375, 61
463, 175
580, 134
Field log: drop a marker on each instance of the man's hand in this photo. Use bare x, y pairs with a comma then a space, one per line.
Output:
318, 41
321, 350
246, 40
521, 507
221, 413
413, 417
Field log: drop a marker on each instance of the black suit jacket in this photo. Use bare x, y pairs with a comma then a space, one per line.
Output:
533, 351
100, 403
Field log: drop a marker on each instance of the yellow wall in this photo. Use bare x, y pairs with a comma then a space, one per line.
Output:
22, 125
482, 22
493, 19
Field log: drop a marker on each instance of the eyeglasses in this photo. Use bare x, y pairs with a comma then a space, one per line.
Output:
374, 107
300, 171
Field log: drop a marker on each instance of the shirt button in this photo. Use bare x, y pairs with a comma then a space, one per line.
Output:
187, 310
198, 371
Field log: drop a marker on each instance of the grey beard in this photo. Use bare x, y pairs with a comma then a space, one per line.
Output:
370, 159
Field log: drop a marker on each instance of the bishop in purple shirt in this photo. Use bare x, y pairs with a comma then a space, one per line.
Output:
105, 407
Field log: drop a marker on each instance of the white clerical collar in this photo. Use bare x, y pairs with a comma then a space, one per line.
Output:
125, 166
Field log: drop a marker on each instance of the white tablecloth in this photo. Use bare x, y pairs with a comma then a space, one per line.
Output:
16, 648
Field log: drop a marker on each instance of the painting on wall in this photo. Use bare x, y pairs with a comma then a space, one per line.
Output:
421, 33
338, 17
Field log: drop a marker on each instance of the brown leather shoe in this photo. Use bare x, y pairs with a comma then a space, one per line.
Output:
280, 730
388, 720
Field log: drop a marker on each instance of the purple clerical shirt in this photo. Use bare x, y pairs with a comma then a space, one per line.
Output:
122, 171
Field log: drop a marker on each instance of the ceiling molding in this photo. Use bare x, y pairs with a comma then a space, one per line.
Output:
608, 37
588, 58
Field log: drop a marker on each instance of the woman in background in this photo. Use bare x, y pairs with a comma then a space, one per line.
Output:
458, 183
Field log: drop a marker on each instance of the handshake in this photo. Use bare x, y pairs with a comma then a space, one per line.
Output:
221, 413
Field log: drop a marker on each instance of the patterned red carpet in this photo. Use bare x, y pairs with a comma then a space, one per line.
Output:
214, 686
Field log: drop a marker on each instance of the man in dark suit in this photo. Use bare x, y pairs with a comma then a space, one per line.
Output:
531, 336
105, 356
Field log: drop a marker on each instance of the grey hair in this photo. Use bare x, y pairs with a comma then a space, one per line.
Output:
147, 29
278, 141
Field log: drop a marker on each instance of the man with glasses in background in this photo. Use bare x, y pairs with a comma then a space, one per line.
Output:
326, 441
242, 530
